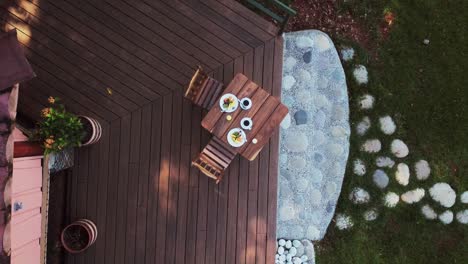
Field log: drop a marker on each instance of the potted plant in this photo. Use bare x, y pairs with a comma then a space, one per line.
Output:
60, 129
79, 235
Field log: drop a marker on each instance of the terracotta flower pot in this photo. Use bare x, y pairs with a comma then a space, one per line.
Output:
93, 130
79, 236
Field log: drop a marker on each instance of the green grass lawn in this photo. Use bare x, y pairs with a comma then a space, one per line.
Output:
425, 89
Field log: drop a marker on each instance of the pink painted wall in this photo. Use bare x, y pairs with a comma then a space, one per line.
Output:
26, 197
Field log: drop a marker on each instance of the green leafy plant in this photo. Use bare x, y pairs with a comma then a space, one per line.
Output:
58, 128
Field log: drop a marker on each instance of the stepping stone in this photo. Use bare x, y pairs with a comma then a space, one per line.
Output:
307, 57
380, 179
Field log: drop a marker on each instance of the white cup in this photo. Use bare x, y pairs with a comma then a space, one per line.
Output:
246, 123
245, 103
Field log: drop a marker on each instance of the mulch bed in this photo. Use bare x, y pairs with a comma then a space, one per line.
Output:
325, 16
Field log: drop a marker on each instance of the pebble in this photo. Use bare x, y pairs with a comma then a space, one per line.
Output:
301, 117
289, 63
384, 162
288, 82
296, 142
402, 174
288, 244
281, 242
296, 243
322, 43
399, 148
304, 42
286, 123
380, 179
422, 170
280, 250
307, 57
464, 197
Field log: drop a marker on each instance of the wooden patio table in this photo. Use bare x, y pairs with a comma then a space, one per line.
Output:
266, 112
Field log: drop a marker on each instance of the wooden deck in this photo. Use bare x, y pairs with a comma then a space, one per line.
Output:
126, 63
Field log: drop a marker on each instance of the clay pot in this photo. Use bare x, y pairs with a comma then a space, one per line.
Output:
79, 236
93, 130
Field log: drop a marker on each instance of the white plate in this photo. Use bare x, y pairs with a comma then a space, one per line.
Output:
233, 106
236, 143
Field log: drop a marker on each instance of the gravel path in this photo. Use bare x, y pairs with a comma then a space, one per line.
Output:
314, 136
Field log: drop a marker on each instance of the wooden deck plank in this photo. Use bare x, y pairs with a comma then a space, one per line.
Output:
175, 43
133, 33
91, 206
253, 28
210, 26
143, 181
184, 183
98, 30
155, 160
164, 172
123, 178
132, 187
88, 50
251, 16
196, 29
223, 21
27, 32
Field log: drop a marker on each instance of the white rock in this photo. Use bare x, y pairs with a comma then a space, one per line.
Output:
289, 257
293, 251
422, 170
370, 215
281, 250
304, 258
359, 196
360, 74
288, 82
282, 258
289, 63
297, 260
363, 126
359, 167
304, 76
380, 178
309, 249
413, 196
391, 199
313, 233
446, 217
426, 42
330, 188
288, 244
464, 197
296, 142
366, 102
322, 43
296, 243
462, 216
371, 146
428, 212
399, 148
304, 42
286, 213
343, 221
402, 174
315, 197
387, 125
339, 131
297, 163
347, 54
300, 250
286, 123
282, 242
444, 194
384, 162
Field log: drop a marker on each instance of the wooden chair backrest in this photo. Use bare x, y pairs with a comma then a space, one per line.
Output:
214, 159
203, 90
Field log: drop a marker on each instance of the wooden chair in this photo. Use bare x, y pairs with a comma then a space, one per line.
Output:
203, 90
214, 159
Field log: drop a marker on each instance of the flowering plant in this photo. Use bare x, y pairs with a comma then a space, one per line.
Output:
58, 128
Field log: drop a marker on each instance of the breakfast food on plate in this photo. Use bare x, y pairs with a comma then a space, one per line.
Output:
228, 102
237, 137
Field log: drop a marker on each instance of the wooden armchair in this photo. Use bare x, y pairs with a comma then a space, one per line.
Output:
214, 159
203, 90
